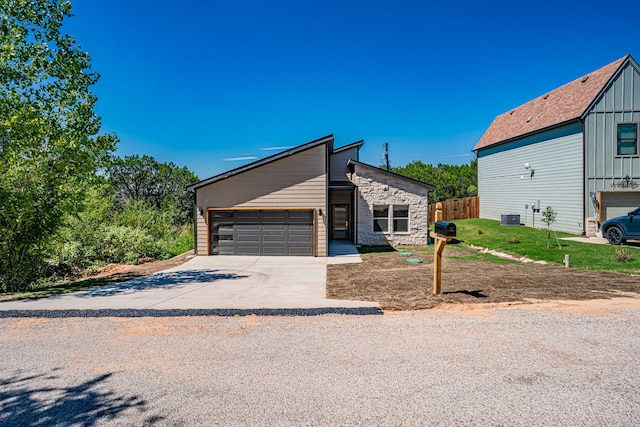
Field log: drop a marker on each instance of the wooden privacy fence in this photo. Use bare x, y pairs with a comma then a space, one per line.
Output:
466, 208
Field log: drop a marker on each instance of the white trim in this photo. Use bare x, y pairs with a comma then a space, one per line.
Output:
390, 219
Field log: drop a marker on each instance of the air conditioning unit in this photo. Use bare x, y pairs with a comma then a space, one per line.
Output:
509, 219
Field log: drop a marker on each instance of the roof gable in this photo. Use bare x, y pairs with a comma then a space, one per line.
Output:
295, 150
352, 162
562, 105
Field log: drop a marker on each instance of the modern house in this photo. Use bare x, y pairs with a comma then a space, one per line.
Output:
294, 202
574, 148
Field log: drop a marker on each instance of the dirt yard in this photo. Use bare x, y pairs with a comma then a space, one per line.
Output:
123, 272
398, 285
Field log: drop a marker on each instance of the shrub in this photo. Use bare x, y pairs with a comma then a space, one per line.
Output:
178, 242
122, 244
105, 244
513, 240
623, 255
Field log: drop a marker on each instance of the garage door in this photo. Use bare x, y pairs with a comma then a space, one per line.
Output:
261, 232
618, 203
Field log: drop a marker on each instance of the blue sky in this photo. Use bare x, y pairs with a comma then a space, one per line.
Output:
213, 85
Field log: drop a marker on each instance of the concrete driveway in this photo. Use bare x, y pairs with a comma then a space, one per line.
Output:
220, 282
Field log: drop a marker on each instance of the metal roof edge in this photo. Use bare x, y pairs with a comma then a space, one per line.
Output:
295, 150
396, 175
349, 146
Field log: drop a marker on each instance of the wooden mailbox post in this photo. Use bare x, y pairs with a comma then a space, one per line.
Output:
444, 232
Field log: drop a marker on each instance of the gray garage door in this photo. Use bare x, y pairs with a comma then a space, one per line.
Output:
618, 203
258, 232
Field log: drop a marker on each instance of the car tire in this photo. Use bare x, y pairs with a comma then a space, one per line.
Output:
614, 235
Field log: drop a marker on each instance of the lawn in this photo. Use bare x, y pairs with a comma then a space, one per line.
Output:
532, 243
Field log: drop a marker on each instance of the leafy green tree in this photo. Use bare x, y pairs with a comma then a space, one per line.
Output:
451, 181
50, 145
144, 180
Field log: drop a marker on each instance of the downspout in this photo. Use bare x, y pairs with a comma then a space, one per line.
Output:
584, 178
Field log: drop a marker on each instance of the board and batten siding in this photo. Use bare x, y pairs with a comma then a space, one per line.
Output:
619, 103
298, 181
338, 164
556, 158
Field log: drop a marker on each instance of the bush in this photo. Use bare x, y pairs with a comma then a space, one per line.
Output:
623, 255
122, 244
107, 244
178, 242
513, 240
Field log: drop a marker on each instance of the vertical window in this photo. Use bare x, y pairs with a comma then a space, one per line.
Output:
380, 218
627, 139
401, 218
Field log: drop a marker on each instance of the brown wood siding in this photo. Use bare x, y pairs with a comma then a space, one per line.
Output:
338, 164
298, 181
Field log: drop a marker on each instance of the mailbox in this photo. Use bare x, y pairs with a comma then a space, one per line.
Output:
445, 229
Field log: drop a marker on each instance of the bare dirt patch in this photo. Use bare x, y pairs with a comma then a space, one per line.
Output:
128, 272
111, 273
395, 284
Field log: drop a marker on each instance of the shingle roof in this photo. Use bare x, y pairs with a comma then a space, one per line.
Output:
564, 104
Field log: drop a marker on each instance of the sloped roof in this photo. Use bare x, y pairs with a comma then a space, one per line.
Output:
357, 144
324, 140
352, 162
564, 104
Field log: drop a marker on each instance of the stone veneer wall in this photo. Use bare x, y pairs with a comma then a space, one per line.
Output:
377, 188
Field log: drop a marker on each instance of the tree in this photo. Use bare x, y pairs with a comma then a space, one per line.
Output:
451, 181
549, 217
159, 185
50, 145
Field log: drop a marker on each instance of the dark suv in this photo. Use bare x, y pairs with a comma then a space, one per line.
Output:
620, 229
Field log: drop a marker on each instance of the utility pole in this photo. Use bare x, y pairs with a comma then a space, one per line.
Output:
385, 155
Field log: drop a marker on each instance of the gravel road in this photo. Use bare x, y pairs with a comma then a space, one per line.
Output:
517, 366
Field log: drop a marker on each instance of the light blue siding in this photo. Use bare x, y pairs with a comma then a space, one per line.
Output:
556, 158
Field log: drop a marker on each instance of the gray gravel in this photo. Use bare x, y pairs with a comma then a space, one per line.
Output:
504, 367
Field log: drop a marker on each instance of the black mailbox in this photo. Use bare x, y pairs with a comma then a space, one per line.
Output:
444, 228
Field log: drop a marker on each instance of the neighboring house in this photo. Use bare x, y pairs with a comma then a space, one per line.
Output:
294, 202
574, 148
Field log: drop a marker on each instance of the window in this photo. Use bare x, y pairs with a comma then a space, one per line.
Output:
380, 219
627, 139
396, 215
400, 218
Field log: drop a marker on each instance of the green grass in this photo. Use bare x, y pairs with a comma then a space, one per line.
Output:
532, 243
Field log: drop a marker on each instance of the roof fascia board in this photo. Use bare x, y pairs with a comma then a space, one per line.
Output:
607, 86
527, 135
290, 152
393, 174
349, 146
